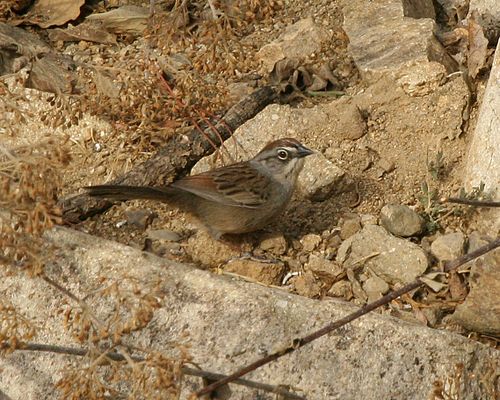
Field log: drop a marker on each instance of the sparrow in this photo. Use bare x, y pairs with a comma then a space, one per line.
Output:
238, 198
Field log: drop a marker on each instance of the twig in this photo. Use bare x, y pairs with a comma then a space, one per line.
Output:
114, 356
469, 202
299, 342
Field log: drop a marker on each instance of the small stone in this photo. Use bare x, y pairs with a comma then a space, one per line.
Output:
433, 315
139, 217
100, 170
375, 288
401, 220
386, 165
352, 126
298, 41
268, 273
476, 240
319, 186
310, 242
209, 252
324, 269
368, 219
393, 259
357, 289
448, 247
274, 243
341, 289
350, 226
306, 285
333, 244
164, 234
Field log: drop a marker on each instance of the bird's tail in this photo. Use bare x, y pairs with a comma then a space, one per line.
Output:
123, 192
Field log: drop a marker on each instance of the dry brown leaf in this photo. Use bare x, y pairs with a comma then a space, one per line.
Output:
47, 13
458, 290
478, 46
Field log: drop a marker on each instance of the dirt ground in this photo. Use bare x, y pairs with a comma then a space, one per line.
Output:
409, 140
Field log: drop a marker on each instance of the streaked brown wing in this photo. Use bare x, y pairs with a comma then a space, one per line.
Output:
236, 185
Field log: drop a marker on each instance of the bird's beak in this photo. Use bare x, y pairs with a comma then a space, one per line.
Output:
303, 151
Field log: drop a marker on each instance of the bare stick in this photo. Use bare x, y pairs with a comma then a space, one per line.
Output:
299, 342
475, 203
114, 356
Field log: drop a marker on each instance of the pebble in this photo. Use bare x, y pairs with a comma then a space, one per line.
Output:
393, 259
324, 269
449, 246
140, 218
375, 288
386, 165
350, 226
368, 219
476, 240
274, 243
341, 289
401, 220
310, 242
306, 285
269, 273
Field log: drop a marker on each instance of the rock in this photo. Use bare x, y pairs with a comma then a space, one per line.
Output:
326, 270
310, 242
210, 252
476, 240
350, 226
163, 234
345, 119
229, 323
298, 41
390, 43
375, 287
401, 220
318, 187
268, 273
448, 247
480, 312
357, 290
341, 289
368, 219
397, 260
419, 9
306, 285
275, 122
483, 158
274, 243
423, 79
140, 218
386, 165
433, 315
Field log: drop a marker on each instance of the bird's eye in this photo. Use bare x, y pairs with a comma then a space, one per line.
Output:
282, 154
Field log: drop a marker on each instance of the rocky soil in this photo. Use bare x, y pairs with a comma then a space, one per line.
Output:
390, 106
